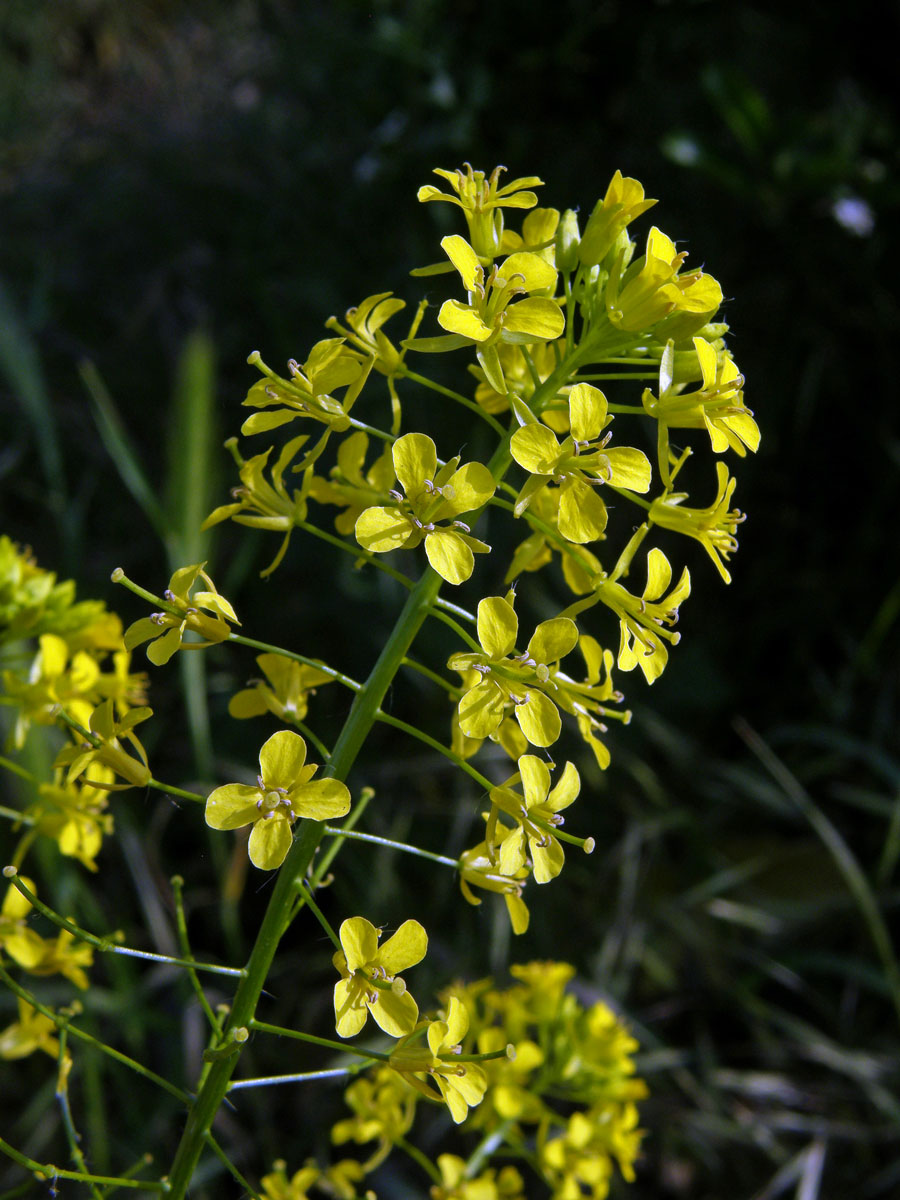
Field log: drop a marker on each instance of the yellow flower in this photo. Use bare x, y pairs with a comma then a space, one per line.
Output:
370, 977
383, 1108
331, 365
478, 868
283, 792
718, 406
168, 629
263, 505
578, 465
712, 527
481, 199
33, 1031
350, 488
431, 496
21, 943
75, 816
277, 1186
623, 202
520, 682
536, 813
290, 684
462, 1084
493, 313
488, 1185
110, 754
651, 288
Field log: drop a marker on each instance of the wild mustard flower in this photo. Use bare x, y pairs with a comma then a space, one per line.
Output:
33, 1031
350, 486
713, 527
535, 812
639, 297
23, 945
277, 1186
520, 682
478, 868
718, 406
331, 365
264, 505
461, 1084
285, 693
494, 313
109, 754
431, 496
481, 199
74, 814
578, 466
457, 1184
168, 629
370, 977
284, 791
623, 203
383, 1110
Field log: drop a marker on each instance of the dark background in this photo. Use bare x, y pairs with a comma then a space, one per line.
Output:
243, 171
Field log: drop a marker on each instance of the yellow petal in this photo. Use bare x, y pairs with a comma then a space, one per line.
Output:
270, 842
539, 719
449, 555
415, 460
359, 938
461, 319
232, 806
380, 530
498, 626
281, 759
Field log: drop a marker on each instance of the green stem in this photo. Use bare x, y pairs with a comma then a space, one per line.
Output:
357, 551
328, 1043
300, 1077
452, 689
184, 943
319, 915
75, 1032
104, 945
391, 844
424, 1162
230, 1167
50, 1172
458, 399
387, 719
175, 791
72, 1135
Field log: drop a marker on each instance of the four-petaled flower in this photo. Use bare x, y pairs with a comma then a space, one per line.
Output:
535, 812
462, 1084
521, 682
718, 406
494, 314
286, 694
431, 496
713, 527
370, 977
168, 628
623, 202
652, 288
481, 199
578, 465
284, 791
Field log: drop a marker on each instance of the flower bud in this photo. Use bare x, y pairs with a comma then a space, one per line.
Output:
567, 239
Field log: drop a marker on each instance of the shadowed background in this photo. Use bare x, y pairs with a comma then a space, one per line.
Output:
181, 183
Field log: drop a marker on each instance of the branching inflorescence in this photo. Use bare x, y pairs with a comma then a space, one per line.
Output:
573, 344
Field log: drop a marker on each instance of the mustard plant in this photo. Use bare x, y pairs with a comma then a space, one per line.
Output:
590, 360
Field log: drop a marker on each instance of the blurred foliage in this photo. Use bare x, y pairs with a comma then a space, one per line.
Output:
235, 173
